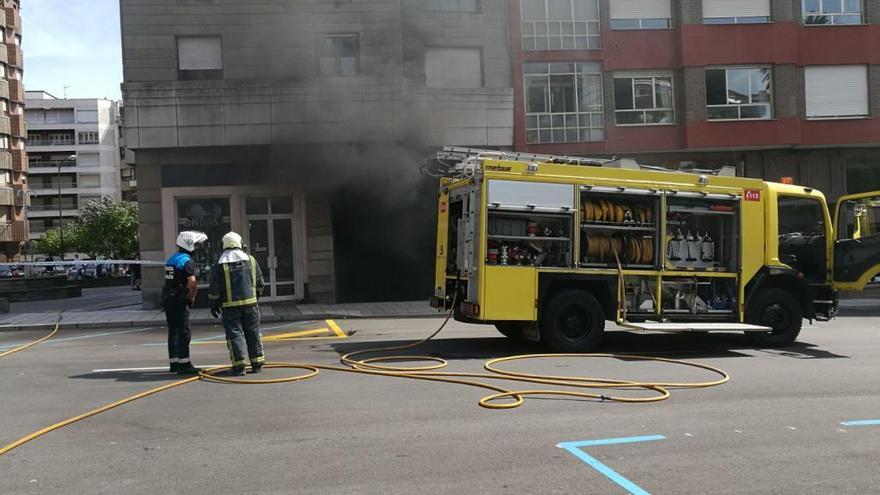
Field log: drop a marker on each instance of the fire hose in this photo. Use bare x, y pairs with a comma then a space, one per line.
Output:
429, 372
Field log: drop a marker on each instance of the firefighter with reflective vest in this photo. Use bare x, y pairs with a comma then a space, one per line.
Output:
178, 295
236, 284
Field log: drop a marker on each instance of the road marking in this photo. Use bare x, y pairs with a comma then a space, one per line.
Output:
222, 336
338, 331
862, 422
575, 449
90, 336
277, 337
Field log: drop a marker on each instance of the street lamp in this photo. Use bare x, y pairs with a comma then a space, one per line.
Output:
70, 158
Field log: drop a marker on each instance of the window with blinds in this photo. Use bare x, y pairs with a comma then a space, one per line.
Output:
640, 14
736, 11
836, 91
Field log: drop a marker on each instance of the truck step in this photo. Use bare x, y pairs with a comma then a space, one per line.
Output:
655, 326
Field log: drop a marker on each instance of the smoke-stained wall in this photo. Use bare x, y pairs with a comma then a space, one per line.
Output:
353, 144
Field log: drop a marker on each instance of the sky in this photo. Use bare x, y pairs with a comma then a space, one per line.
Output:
74, 43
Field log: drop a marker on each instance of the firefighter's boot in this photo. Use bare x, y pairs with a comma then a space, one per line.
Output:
187, 369
256, 367
237, 371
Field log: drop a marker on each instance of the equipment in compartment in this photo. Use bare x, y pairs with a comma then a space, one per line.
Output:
528, 239
618, 228
640, 294
701, 233
696, 296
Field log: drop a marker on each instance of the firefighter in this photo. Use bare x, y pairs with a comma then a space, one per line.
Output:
236, 284
178, 296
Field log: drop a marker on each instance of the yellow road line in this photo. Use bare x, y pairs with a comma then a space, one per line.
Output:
294, 335
338, 331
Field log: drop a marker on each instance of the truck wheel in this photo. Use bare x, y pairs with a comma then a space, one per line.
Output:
573, 321
512, 330
779, 310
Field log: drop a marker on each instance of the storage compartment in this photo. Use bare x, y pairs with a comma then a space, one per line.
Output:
683, 295
521, 238
618, 228
640, 295
702, 233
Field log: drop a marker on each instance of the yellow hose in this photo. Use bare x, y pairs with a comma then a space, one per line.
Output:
659, 390
27, 346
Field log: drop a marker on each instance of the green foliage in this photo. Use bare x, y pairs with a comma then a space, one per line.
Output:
105, 228
50, 243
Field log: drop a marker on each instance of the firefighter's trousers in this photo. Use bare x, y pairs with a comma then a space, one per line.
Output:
179, 333
243, 337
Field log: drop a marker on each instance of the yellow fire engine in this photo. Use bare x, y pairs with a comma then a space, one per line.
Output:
547, 248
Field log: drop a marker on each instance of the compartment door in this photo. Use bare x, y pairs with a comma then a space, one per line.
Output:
510, 293
857, 244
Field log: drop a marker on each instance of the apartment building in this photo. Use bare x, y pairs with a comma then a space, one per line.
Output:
13, 161
73, 157
302, 125
777, 88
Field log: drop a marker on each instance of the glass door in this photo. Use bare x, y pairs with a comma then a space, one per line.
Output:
271, 236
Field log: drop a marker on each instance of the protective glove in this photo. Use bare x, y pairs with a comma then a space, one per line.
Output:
215, 311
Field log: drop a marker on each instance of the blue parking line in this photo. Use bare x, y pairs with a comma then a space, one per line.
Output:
862, 422
575, 449
91, 336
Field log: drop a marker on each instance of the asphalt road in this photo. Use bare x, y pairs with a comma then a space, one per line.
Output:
774, 428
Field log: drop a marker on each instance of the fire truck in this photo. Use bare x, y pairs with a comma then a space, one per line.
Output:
549, 248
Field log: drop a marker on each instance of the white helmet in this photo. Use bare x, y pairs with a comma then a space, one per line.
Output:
189, 239
232, 241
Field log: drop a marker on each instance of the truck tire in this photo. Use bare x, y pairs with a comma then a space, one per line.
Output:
512, 330
573, 321
778, 309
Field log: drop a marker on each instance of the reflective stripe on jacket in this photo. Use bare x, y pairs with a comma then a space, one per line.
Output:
236, 284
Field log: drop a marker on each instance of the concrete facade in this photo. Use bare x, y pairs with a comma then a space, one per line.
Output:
324, 101
73, 143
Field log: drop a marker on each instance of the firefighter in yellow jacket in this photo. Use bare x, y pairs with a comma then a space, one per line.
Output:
236, 284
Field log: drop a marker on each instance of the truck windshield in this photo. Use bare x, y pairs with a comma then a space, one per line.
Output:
802, 237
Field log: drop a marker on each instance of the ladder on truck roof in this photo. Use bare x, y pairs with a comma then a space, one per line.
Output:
458, 160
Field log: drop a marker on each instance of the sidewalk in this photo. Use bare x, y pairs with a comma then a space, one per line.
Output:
270, 313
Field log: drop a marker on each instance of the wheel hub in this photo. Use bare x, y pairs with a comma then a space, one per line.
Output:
776, 317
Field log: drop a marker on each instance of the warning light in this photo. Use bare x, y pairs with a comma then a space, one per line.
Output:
788, 180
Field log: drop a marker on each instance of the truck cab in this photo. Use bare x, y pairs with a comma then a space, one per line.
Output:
549, 248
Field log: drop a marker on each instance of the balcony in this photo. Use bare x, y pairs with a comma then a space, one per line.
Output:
51, 187
17, 125
12, 19
5, 128
20, 192
5, 160
14, 56
49, 142
43, 166
18, 161
16, 91
4, 89
7, 196
13, 231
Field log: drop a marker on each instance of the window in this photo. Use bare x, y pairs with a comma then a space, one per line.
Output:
338, 55
199, 57
836, 91
832, 12
739, 12
88, 138
802, 236
561, 25
87, 116
741, 93
643, 99
452, 5
91, 180
453, 68
640, 14
564, 102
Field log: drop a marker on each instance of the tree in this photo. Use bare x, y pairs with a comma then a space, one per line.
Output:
105, 228
50, 243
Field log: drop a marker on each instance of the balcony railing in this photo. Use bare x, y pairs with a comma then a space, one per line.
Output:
51, 163
18, 160
13, 231
51, 207
52, 186
50, 142
17, 126
16, 90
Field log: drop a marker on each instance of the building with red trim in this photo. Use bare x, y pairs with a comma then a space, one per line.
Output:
777, 88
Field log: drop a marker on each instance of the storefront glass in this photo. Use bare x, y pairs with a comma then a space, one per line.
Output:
208, 215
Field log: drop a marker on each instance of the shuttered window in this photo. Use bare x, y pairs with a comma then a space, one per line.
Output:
836, 91
640, 14
736, 11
